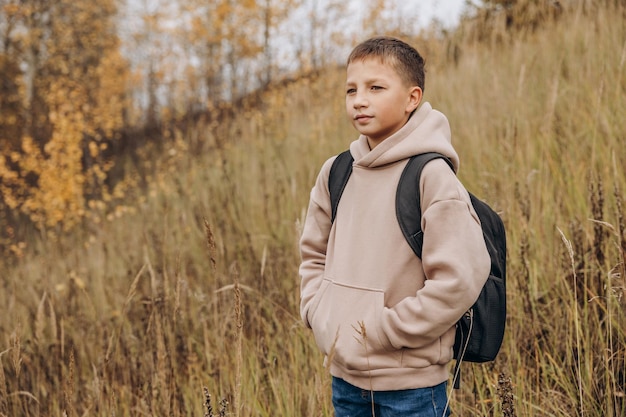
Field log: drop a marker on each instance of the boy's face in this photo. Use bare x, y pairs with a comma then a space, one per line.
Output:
378, 102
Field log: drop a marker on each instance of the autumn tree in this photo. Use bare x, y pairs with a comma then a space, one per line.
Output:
72, 101
232, 40
11, 114
524, 14
323, 32
233, 43
497, 19
274, 13
148, 27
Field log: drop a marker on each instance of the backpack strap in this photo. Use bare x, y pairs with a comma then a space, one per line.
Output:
408, 208
409, 214
339, 174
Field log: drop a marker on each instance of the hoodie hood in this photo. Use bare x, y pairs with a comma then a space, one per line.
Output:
427, 130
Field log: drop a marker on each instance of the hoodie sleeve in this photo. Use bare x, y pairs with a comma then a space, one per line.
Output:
314, 240
454, 258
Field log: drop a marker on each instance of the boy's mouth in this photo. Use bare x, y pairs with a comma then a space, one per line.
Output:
362, 117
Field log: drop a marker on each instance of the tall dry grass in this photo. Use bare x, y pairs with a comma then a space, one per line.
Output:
538, 124
185, 302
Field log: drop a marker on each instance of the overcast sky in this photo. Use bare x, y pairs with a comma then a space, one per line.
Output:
447, 11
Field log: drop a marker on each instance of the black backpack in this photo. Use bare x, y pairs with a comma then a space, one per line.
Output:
480, 331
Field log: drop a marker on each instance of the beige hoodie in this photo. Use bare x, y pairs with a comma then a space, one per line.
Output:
383, 317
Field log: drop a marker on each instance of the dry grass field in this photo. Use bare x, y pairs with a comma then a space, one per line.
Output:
184, 300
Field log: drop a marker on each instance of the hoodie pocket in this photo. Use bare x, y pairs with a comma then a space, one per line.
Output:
346, 326
315, 302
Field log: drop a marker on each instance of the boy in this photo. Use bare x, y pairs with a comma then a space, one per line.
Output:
384, 318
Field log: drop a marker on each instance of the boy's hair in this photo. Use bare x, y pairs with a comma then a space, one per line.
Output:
404, 59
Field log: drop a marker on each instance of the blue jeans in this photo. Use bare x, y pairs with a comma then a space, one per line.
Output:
350, 401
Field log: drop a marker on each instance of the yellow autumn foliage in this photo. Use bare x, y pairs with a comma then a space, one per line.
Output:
76, 101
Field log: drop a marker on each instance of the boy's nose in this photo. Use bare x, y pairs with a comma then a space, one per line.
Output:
360, 101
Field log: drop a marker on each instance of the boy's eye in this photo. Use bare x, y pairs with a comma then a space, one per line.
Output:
351, 91
376, 87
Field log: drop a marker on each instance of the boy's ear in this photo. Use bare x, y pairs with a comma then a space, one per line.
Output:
415, 98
